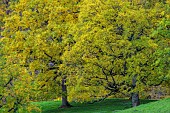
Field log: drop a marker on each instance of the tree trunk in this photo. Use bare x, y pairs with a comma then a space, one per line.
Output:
135, 95
135, 99
65, 102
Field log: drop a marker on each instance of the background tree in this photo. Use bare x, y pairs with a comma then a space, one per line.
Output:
34, 40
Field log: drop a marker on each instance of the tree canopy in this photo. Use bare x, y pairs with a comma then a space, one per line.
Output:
95, 48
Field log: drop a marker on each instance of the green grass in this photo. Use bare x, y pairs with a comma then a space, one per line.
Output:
106, 106
162, 106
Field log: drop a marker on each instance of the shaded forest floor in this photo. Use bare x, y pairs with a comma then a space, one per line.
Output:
106, 106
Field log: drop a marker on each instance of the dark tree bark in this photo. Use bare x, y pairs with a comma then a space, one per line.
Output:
135, 95
135, 99
65, 102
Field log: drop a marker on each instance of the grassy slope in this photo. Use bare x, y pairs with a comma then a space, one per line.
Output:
106, 106
162, 106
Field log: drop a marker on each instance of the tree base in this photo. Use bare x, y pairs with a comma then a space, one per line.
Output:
135, 99
66, 106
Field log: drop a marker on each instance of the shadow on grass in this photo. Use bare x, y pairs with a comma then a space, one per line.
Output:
106, 106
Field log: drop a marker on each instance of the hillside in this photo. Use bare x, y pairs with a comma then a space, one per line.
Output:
162, 106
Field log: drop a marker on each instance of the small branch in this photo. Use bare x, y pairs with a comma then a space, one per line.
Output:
10, 109
101, 99
48, 55
9, 82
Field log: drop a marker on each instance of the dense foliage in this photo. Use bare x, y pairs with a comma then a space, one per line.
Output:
95, 48
114, 50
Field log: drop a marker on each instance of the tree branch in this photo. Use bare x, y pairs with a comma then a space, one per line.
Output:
101, 99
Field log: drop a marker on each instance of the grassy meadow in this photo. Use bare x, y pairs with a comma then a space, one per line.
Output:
106, 106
